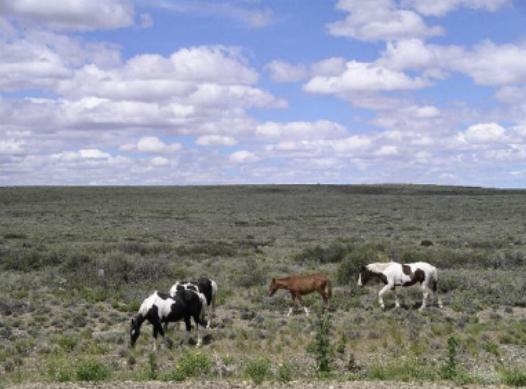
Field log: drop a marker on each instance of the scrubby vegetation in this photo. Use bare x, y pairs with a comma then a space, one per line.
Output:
77, 262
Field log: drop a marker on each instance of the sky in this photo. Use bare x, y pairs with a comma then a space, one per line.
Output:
192, 92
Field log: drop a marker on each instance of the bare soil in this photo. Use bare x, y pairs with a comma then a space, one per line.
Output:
247, 384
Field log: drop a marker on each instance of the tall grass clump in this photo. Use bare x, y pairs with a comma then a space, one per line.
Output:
92, 370
350, 267
451, 369
258, 370
321, 346
193, 364
513, 377
403, 369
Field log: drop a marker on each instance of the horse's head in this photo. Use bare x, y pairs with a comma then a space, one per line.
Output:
272, 287
135, 330
364, 276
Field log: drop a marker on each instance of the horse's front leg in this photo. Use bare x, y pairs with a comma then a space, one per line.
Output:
381, 293
293, 296
397, 300
157, 329
303, 305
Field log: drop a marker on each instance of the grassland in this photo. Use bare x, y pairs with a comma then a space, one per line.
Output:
77, 262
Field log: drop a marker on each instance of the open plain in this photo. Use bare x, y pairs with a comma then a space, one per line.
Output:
76, 263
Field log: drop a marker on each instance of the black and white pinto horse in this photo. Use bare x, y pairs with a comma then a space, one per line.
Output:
394, 274
205, 286
160, 308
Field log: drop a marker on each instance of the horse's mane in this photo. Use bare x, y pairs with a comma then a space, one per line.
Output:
378, 267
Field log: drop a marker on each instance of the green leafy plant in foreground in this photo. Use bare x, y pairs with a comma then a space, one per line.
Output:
192, 364
321, 346
258, 370
513, 377
92, 370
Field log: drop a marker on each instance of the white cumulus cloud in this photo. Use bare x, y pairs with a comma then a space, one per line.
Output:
360, 76
484, 133
215, 140
72, 15
242, 157
374, 20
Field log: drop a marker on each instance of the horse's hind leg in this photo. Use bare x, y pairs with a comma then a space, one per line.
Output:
425, 295
188, 326
435, 292
199, 341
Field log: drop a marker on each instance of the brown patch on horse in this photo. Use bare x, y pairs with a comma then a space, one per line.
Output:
417, 276
382, 277
406, 269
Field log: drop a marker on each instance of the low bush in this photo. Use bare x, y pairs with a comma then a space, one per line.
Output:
60, 369
513, 377
192, 364
258, 370
91, 370
350, 267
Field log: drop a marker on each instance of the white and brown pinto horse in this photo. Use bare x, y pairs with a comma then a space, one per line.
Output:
300, 285
394, 274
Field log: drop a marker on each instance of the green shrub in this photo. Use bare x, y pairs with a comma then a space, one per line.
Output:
152, 366
60, 370
349, 269
335, 252
66, 343
91, 370
402, 369
191, 364
285, 372
450, 368
513, 377
321, 347
258, 370
251, 272
194, 364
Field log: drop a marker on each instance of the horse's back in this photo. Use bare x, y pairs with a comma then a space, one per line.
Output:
306, 283
426, 267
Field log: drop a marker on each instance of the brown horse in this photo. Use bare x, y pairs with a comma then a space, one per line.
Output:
302, 285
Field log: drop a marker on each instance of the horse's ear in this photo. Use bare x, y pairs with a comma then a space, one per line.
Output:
273, 280
133, 321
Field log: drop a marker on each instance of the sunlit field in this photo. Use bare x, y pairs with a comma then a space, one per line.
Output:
76, 264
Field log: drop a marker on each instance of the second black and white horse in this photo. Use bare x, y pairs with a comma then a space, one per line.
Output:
205, 286
160, 309
394, 274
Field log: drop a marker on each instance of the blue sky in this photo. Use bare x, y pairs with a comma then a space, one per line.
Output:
162, 92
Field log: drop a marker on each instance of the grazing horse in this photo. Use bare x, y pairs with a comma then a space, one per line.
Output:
302, 285
160, 308
205, 286
394, 274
